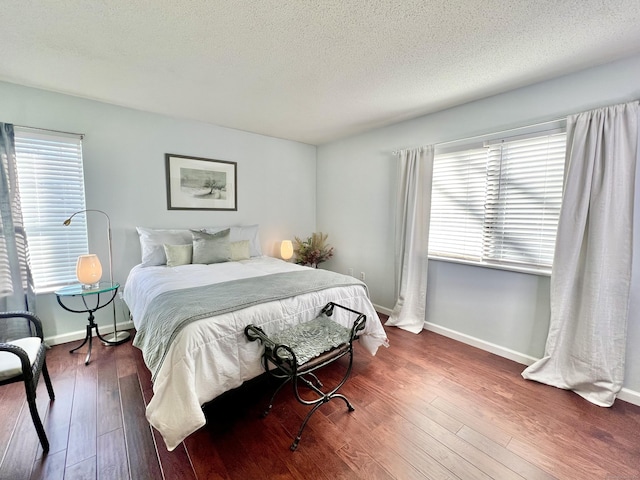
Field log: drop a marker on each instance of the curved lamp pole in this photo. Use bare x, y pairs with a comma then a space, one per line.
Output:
116, 337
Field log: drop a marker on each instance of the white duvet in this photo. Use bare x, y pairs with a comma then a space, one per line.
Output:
212, 355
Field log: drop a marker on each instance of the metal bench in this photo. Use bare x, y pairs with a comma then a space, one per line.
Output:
295, 353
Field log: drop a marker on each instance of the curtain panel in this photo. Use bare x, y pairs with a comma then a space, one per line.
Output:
16, 286
413, 209
585, 349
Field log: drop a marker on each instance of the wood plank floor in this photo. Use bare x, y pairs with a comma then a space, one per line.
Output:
427, 407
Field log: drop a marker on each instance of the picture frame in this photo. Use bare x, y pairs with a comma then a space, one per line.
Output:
195, 183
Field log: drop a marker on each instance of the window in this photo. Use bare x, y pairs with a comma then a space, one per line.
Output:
498, 204
51, 183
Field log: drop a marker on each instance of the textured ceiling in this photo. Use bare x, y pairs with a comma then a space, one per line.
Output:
312, 71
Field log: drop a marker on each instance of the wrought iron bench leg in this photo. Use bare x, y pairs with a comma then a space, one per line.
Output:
316, 379
294, 445
320, 402
273, 397
346, 400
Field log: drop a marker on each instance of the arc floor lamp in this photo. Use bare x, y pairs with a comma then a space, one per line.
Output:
116, 337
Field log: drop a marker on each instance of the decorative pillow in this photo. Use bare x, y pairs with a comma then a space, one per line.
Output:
246, 232
178, 254
211, 247
152, 241
240, 250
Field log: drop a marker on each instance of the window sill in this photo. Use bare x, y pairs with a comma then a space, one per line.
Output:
509, 268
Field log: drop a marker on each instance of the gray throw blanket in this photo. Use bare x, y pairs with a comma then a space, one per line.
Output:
171, 311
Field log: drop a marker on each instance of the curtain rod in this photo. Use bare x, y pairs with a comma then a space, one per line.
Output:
81, 135
475, 137
560, 119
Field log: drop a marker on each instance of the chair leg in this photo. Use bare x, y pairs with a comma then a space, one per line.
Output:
33, 408
47, 381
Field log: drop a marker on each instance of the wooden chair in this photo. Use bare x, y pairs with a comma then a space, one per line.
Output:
23, 359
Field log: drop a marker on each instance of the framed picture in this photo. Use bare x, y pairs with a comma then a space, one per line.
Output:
201, 183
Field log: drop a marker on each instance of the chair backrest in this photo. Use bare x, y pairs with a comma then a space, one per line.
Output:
14, 328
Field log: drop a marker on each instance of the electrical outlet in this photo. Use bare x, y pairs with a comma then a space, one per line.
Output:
362, 276
350, 272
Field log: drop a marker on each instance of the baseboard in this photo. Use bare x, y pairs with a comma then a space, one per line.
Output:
384, 310
630, 396
481, 344
80, 334
625, 394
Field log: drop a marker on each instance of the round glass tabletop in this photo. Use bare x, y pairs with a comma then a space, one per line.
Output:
73, 290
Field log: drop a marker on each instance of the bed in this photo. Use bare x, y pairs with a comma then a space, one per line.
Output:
208, 353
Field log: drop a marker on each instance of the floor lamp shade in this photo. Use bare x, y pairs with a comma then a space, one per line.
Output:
89, 270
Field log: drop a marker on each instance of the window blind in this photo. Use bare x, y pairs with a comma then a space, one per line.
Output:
457, 204
499, 204
524, 195
51, 182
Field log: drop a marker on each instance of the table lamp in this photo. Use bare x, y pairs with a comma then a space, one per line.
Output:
89, 271
286, 250
116, 337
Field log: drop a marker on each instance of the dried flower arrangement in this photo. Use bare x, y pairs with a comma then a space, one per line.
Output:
313, 250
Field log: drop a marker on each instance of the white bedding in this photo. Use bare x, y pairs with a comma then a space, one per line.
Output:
211, 356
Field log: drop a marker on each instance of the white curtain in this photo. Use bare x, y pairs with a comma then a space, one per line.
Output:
585, 349
413, 210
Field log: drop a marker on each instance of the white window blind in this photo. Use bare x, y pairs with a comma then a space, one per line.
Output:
524, 195
499, 205
457, 204
51, 182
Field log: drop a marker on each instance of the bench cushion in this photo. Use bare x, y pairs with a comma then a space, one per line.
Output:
310, 339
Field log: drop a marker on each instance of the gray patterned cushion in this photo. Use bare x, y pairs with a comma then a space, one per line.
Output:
310, 339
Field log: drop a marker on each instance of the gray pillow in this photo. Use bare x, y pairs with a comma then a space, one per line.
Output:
210, 247
178, 254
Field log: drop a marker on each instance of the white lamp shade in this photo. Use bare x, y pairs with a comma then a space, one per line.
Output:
89, 269
286, 249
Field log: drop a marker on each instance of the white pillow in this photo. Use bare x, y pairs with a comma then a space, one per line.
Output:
246, 232
152, 241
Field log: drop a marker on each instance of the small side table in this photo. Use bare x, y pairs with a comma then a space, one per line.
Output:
108, 292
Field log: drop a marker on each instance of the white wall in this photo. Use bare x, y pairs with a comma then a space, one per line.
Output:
124, 171
356, 194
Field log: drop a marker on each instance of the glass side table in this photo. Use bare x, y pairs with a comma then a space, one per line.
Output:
104, 293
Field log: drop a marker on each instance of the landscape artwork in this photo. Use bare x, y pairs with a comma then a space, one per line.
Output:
195, 183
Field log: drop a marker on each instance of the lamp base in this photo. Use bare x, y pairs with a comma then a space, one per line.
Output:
116, 338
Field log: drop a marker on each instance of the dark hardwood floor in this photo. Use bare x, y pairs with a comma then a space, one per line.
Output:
427, 407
